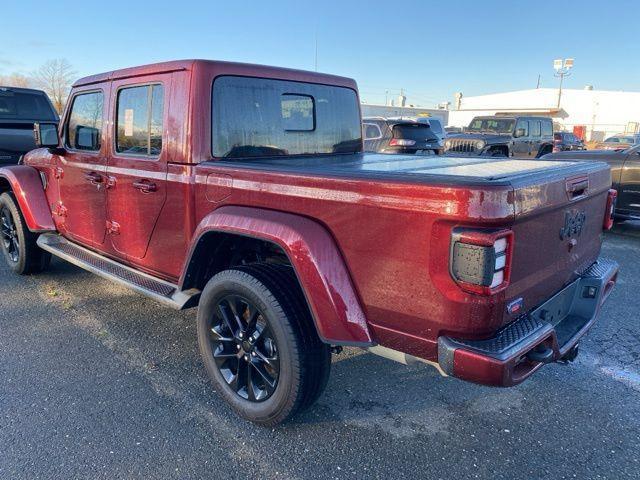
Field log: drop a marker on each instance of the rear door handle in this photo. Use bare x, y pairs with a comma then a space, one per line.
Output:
93, 178
145, 186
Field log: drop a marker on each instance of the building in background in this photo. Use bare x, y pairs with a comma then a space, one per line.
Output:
592, 114
391, 111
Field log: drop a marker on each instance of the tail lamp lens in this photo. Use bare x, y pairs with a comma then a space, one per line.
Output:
481, 260
610, 210
400, 142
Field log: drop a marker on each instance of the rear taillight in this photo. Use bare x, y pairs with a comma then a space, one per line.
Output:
610, 210
401, 142
481, 259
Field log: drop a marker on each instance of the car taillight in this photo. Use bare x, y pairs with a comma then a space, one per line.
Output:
481, 259
401, 142
610, 210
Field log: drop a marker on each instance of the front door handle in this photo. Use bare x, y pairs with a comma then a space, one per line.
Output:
93, 178
145, 186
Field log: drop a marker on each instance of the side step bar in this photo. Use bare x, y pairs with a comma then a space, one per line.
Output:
159, 290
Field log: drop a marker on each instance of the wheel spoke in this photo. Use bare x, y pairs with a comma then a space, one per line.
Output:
269, 381
217, 336
251, 393
270, 361
229, 317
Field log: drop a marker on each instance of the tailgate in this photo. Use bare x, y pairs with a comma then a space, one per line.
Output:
557, 230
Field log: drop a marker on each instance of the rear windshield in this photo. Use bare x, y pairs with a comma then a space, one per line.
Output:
24, 106
256, 117
413, 131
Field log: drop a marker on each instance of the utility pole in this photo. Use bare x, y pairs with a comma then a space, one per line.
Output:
562, 67
538, 84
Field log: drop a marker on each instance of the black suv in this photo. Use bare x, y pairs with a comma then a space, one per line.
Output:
19, 109
398, 135
497, 136
566, 141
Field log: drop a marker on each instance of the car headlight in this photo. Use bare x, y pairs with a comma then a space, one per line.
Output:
447, 144
480, 144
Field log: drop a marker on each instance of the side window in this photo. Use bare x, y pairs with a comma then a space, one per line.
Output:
371, 131
298, 112
523, 124
535, 128
139, 120
84, 127
547, 129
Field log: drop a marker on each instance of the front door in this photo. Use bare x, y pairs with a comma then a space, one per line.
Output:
521, 145
535, 138
81, 169
137, 167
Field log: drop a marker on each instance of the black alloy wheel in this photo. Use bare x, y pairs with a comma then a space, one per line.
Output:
244, 348
9, 235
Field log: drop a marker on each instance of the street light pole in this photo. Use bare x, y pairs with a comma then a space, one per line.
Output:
562, 67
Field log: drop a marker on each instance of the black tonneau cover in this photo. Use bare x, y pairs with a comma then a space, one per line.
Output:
418, 168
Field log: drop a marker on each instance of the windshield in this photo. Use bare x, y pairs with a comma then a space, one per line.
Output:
413, 131
24, 106
493, 125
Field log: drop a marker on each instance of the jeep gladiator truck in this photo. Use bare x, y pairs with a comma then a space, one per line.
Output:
243, 190
498, 136
20, 108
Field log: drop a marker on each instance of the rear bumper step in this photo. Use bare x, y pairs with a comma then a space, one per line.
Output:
547, 334
159, 290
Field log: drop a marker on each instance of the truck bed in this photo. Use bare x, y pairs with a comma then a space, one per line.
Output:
419, 168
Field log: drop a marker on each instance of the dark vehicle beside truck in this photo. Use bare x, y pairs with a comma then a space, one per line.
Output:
567, 141
20, 108
399, 135
625, 175
243, 190
499, 136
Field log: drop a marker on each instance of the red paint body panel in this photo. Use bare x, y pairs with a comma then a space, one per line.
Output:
370, 245
26, 185
317, 262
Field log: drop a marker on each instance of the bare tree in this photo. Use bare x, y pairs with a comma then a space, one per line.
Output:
15, 80
55, 78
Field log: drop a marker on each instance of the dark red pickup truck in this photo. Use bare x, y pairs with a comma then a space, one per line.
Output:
243, 190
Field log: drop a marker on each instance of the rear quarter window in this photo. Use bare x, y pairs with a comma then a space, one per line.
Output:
257, 117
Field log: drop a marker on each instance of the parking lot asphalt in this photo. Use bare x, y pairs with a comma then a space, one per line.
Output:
99, 382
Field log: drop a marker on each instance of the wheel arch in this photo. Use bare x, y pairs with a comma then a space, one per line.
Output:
305, 244
26, 185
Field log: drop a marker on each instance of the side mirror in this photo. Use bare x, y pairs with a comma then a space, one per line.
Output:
520, 133
45, 135
87, 138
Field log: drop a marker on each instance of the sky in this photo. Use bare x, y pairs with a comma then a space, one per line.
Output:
427, 48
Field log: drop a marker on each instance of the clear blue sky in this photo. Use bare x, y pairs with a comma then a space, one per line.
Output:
430, 48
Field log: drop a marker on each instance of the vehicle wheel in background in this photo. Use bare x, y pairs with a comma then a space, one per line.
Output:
259, 344
17, 243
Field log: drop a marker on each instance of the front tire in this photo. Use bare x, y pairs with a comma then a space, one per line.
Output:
17, 243
258, 343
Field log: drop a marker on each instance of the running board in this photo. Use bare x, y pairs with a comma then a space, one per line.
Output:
159, 290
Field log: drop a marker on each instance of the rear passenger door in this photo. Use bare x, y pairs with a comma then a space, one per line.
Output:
137, 167
535, 134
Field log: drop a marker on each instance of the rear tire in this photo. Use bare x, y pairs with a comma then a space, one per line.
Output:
17, 243
253, 320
